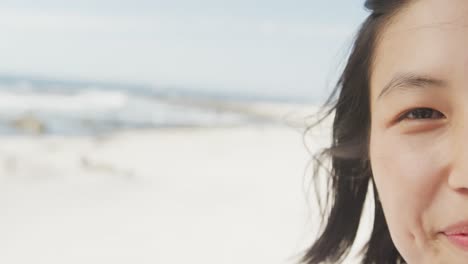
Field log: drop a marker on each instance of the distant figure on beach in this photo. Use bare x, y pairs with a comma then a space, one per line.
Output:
400, 137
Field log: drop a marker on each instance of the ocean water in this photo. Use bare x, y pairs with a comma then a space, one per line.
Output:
42, 106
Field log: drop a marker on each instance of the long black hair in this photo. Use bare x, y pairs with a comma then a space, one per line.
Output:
350, 175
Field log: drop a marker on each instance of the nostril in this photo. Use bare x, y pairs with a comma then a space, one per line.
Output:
461, 190
458, 181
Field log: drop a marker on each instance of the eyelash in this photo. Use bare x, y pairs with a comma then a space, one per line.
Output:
419, 111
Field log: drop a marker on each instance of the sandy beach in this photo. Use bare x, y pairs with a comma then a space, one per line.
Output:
173, 195
198, 195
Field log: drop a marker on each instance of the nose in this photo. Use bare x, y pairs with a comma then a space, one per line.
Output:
458, 176
458, 181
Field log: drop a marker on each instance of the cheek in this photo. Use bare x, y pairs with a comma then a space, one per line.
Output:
407, 173
403, 172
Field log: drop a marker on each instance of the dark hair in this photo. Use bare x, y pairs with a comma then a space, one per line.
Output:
351, 174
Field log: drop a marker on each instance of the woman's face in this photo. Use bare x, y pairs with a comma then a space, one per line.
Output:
419, 131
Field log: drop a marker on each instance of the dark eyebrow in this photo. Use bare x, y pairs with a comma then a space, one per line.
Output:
406, 80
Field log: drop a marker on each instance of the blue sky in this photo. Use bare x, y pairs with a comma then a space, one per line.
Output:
260, 47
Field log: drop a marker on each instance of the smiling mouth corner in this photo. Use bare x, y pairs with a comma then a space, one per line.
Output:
457, 234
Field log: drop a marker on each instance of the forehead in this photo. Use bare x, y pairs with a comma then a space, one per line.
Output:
428, 37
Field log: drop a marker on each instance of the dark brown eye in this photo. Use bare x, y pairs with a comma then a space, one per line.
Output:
422, 113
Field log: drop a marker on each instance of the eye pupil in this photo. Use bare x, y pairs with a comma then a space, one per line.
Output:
423, 113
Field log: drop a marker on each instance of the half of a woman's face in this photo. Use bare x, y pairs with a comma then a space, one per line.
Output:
419, 130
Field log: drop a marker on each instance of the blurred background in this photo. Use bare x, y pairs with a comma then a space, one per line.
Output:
163, 131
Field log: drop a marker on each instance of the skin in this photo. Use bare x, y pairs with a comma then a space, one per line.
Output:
420, 165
